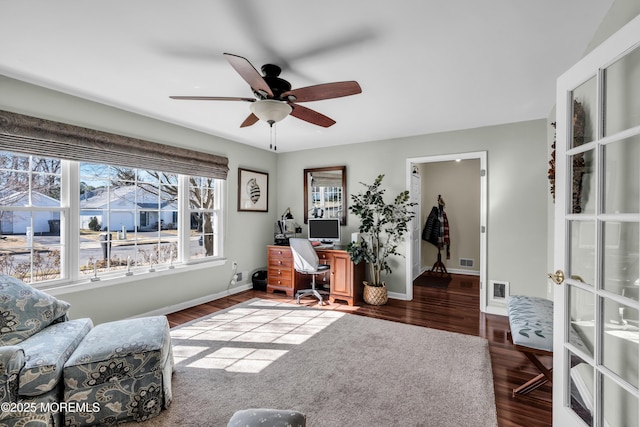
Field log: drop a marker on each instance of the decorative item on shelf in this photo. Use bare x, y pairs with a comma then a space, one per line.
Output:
285, 228
129, 272
95, 277
382, 227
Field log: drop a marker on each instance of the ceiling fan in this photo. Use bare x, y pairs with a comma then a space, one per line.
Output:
274, 99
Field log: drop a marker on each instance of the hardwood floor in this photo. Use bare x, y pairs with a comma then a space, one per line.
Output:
453, 308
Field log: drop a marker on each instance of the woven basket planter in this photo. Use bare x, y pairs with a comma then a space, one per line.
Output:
375, 295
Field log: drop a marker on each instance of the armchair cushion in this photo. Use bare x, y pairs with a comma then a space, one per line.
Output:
46, 353
25, 310
11, 362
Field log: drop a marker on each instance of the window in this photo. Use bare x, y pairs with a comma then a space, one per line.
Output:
30, 217
129, 220
204, 210
326, 202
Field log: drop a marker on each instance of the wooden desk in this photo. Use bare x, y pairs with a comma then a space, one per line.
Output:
344, 277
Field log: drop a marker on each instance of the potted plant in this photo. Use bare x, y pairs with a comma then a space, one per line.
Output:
382, 227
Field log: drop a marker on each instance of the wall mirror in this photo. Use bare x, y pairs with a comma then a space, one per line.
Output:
325, 192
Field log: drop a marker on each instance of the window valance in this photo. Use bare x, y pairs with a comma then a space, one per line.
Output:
40, 137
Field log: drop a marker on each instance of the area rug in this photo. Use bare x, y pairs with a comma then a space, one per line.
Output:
339, 369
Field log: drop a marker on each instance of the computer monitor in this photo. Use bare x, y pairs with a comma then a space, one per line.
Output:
324, 230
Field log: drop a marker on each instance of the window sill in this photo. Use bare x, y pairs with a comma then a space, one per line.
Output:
120, 277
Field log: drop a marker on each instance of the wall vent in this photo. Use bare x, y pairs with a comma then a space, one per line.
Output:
466, 262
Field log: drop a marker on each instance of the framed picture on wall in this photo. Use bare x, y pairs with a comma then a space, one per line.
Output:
253, 190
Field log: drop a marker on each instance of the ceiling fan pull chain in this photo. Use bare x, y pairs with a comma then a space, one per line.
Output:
275, 136
272, 137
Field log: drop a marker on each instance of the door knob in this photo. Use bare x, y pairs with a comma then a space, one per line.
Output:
557, 277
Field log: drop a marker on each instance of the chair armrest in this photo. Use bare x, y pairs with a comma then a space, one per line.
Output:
12, 360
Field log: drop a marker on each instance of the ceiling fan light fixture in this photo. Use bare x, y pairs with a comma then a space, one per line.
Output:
270, 110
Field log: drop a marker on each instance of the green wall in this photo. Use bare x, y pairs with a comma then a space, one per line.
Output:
517, 191
517, 196
246, 233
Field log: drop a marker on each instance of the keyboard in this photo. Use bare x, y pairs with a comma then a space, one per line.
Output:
323, 246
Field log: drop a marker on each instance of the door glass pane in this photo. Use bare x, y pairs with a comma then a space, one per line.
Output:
621, 262
583, 182
582, 310
622, 94
583, 251
620, 341
584, 113
622, 176
619, 407
581, 376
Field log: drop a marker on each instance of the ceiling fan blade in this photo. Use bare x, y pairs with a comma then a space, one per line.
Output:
311, 116
324, 91
249, 74
251, 119
213, 98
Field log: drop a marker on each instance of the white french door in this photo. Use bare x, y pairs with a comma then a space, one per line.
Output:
597, 237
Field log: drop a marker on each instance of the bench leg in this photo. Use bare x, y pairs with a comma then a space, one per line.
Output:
545, 375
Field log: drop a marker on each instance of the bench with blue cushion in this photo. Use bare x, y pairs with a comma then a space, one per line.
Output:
531, 325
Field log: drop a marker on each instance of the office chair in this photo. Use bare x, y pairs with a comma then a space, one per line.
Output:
305, 260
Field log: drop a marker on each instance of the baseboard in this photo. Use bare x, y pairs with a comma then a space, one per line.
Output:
467, 272
192, 303
498, 310
398, 296
453, 271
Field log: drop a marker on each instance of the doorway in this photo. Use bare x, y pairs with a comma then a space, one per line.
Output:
422, 256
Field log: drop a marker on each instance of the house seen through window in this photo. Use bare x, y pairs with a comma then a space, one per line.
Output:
130, 220
30, 217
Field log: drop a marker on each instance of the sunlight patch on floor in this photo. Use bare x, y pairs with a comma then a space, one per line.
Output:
275, 325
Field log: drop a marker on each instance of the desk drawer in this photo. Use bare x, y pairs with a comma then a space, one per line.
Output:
324, 258
280, 263
277, 252
283, 282
280, 277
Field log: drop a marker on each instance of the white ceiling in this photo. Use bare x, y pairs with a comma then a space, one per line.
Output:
424, 66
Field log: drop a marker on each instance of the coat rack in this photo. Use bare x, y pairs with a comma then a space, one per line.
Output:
436, 232
439, 266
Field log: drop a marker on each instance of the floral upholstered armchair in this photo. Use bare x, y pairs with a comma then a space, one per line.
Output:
36, 339
55, 371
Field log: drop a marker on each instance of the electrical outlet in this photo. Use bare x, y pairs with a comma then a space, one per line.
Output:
234, 265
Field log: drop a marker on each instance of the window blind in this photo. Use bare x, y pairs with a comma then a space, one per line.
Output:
326, 179
40, 137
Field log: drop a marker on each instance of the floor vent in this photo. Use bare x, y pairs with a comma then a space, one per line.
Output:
465, 262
